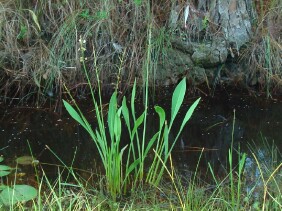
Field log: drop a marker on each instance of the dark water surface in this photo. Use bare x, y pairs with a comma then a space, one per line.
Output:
210, 128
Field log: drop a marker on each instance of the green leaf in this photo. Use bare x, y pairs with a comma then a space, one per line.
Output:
150, 144
22, 33
85, 14
189, 113
19, 193
138, 122
125, 114
1, 158
242, 162
102, 15
117, 125
75, 115
177, 99
161, 114
121, 154
5, 170
133, 93
132, 167
166, 134
112, 114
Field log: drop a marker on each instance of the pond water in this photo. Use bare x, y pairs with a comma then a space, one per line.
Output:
24, 130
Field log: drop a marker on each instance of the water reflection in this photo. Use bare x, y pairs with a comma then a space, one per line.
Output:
211, 128
20, 127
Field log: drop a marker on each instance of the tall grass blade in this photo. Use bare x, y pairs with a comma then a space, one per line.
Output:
161, 114
189, 113
35, 19
138, 122
150, 143
133, 93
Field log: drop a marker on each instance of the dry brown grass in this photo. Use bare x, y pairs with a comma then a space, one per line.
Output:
39, 49
263, 54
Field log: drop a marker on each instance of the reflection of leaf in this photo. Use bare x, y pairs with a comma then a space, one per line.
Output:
5, 170
25, 160
18, 193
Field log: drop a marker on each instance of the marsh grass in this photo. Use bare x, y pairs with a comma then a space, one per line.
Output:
258, 189
264, 51
59, 194
227, 193
175, 192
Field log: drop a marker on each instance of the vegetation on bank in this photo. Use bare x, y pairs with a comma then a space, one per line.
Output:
250, 182
107, 135
39, 49
66, 46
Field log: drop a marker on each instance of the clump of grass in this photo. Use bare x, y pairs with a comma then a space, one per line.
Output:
254, 183
108, 141
264, 176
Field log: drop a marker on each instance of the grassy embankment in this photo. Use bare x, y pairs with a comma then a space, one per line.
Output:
39, 45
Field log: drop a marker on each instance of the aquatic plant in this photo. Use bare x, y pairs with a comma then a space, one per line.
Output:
16, 193
108, 141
